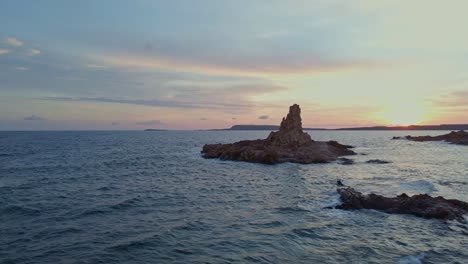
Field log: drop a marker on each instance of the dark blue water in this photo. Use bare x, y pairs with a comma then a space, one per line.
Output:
149, 197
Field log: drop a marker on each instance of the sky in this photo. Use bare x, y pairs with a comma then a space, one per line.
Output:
198, 64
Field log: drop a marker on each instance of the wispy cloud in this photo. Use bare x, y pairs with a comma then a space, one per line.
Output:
150, 102
4, 51
14, 42
277, 64
34, 52
149, 123
263, 117
453, 99
235, 98
95, 66
274, 34
33, 118
22, 68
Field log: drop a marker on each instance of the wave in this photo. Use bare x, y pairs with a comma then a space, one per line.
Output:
415, 259
193, 226
420, 186
272, 224
136, 243
291, 209
126, 203
19, 210
449, 183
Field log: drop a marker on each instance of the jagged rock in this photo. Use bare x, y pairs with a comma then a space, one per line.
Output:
421, 205
455, 137
378, 161
290, 131
289, 144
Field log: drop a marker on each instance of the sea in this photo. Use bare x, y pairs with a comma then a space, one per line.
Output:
150, 197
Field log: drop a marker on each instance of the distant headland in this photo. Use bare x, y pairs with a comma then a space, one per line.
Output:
153, 129
411, 127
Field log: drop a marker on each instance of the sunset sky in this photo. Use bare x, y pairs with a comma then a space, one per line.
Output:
213, 64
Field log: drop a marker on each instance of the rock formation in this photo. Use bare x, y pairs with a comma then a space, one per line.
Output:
290, 131
378, 161
421, 205
455, 137
289, 144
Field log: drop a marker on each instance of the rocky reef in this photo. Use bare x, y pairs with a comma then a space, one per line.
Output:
288, 144
421, 205
455, 137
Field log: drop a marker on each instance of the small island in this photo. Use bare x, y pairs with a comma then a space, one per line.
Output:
289, 144
454, 137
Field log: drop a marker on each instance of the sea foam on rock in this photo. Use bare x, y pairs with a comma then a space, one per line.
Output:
289, 144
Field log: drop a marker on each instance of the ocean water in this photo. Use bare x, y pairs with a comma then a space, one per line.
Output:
149, 197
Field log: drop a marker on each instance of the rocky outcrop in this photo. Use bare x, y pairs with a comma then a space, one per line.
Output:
378, 161
455, 137
421, 205
289, 144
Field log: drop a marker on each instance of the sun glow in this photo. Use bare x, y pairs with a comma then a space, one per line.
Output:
404, 114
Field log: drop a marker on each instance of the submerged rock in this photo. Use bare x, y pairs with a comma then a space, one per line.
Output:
421, 205
455, 137
289, 144
378, 161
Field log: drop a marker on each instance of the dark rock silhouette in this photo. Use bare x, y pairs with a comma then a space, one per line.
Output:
378, 161
289, 144
421, 205
290, 131
345, 161
455, 137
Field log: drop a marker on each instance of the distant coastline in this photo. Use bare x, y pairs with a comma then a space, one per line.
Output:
153, 129
412, 127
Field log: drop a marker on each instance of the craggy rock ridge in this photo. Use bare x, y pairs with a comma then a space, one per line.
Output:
289, 144
460, 138
421, 205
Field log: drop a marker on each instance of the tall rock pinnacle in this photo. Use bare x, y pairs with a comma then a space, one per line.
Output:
290, 132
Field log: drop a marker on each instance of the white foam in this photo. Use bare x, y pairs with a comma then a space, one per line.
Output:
416, 259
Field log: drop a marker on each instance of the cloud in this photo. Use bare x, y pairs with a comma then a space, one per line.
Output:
22, 68
115, 123
274, 34
273, 64
148, 123
263, 117
453, 99
33, 118
148, 102
34, 52
14, 42
232, 98
4, 51
203, 119
95, 66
